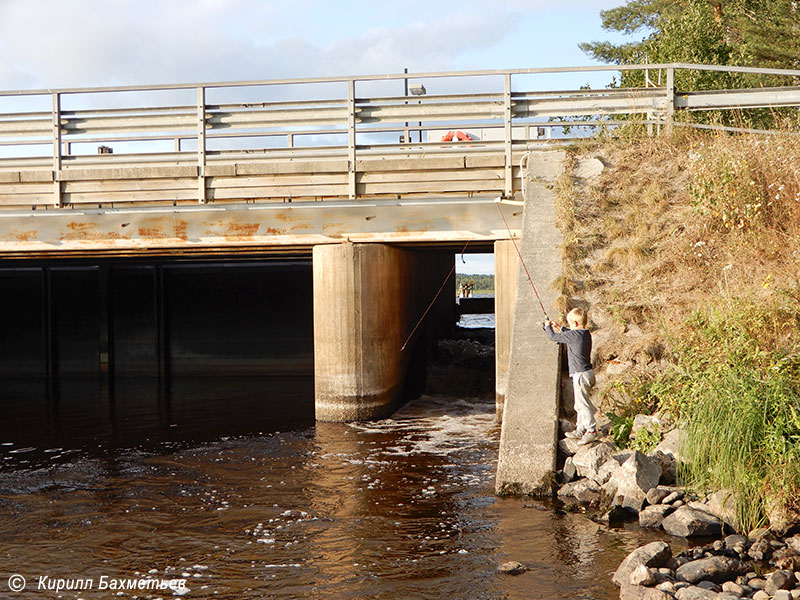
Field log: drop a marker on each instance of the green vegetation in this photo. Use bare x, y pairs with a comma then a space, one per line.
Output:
484, 284
756, 33
686, 249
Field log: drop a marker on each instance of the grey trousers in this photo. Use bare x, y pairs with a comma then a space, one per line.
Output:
582, 385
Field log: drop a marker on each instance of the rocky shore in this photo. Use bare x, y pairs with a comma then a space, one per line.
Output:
625, 485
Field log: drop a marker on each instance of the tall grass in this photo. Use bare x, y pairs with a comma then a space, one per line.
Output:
739, 400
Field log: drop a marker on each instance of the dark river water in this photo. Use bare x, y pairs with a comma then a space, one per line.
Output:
400, 508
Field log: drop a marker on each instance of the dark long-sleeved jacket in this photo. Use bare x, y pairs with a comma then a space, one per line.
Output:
579, 347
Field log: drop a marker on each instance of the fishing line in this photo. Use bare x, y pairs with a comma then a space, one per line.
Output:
522, 260
446, 279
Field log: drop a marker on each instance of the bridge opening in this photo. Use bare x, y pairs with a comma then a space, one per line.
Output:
125, 349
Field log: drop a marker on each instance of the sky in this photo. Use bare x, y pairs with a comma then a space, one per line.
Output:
48, 44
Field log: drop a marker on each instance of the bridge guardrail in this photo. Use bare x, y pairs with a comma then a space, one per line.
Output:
270, 141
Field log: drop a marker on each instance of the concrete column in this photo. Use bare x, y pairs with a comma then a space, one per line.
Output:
367, 299
506, 271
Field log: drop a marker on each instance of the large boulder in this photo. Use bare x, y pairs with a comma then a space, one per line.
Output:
691, 522
589, 459
637, 476
713, 568
654, 554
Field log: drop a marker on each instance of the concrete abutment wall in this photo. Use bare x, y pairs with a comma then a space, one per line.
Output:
528, 440
367, 300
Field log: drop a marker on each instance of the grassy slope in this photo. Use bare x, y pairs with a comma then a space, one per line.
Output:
687, 252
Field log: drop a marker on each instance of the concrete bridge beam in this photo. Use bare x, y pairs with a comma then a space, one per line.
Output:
367, 299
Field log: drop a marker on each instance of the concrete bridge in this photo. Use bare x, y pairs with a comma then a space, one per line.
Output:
377, 179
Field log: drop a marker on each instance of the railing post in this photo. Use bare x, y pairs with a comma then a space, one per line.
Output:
58, 199
351, 138
509, 161
201, 145
670, 112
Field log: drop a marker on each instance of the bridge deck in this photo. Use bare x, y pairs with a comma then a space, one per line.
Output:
246, 164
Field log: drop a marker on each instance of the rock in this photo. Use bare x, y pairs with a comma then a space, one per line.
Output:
761, 595
637, 476
782, 595
652, 516
658, 493
607, 470
669, 466
616, 515
690, 522
714, 568
779, 580
709, 585
722, 504
671, 444
654, 554
676, 503
583, 490
638, 592
795, 594
569, 471
794, 543
757, 583
589, 459
673, 497
568, 446
734, 542
667, 587
588, 168
645, 422
733, 588
641, 575
512, 567
695, 593
786, 560
760, 550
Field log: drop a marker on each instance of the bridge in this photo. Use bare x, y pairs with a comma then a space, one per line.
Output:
377, 179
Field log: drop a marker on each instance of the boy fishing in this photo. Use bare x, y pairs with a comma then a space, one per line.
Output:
578, 340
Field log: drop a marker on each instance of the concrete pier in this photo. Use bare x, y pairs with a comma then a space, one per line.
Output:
367, 300
528, 439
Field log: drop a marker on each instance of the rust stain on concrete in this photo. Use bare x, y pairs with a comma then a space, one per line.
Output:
150, 233
242, 229
328, 226
23, 236
181, 230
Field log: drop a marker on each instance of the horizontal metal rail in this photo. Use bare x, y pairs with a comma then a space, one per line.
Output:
270, 141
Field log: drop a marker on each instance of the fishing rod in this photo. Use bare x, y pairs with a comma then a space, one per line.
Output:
498, 201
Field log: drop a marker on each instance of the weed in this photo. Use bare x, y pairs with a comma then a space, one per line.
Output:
647, 438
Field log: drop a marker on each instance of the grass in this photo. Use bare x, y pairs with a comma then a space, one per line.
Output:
687, 250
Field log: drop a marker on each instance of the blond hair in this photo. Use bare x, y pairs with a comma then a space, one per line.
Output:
578, 316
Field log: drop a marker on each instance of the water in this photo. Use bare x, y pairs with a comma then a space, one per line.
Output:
400, 508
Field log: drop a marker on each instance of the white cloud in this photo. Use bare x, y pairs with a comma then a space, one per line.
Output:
88, 42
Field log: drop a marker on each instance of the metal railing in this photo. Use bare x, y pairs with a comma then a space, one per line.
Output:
332, 137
